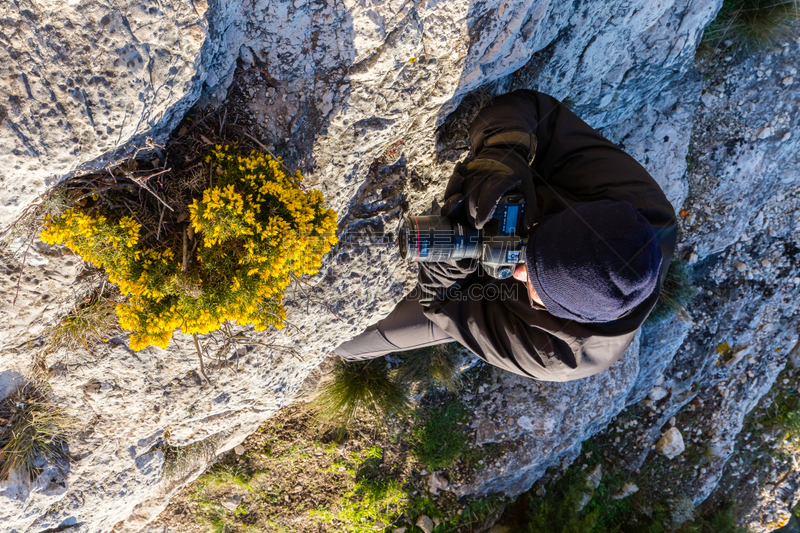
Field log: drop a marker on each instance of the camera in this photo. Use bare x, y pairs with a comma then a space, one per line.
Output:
498, 246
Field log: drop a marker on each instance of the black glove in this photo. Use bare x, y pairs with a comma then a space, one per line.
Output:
475, 189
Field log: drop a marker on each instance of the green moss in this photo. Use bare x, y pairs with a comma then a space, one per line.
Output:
369, 502
440, 439
646, 511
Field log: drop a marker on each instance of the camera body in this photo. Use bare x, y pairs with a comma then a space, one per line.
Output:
498, 246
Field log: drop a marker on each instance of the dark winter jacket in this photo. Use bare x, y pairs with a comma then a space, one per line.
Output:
573, 163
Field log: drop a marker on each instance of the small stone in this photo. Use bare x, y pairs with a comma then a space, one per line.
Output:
425, 524
708, 99
399, 530
672, 421
786, 136
765, 262
239, 450
788, 80
626, 490
657, 393
671, 443
595, 476
764, 132
232, 502
693, 258
437, 483
741, 267
541, 491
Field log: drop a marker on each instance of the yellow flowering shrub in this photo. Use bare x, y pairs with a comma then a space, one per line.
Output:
256, 227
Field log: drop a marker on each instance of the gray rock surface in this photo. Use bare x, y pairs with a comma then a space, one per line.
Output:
367, 99
80, 79
546, 421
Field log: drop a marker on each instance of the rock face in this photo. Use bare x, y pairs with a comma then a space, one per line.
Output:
545, 421
366, 97
81, 79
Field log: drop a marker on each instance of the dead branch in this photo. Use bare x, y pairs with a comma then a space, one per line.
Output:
200, 355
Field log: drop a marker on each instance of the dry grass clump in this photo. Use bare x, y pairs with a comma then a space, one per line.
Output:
33, 428
362, 388
676, 293
86, 326
433, 364
752, 25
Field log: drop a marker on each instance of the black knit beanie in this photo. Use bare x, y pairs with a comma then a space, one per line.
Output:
594, 262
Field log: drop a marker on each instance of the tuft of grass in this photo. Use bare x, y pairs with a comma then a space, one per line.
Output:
179, 459
359, 388
86, 326
433, 364
32, 428
676, 293
222, 475
440, 440
752, 25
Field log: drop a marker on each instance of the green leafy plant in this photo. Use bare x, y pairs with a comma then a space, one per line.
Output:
752, 24
359, 388
32, 428
433, 364
440, 439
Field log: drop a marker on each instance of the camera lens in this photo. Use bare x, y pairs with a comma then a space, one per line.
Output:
436, 238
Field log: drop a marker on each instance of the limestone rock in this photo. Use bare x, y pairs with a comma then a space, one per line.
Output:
671, 443
83, 78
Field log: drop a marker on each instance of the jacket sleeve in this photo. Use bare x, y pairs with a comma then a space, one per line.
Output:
441, 281
496, 322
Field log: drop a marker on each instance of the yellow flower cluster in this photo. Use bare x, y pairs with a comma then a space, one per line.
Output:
258, 229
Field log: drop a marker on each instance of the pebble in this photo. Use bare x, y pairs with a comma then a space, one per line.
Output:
765, 262
425, 524
708, 99
239, 450
764, 132
741, 267
693, 258
671, 443
788, 80
786, 136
